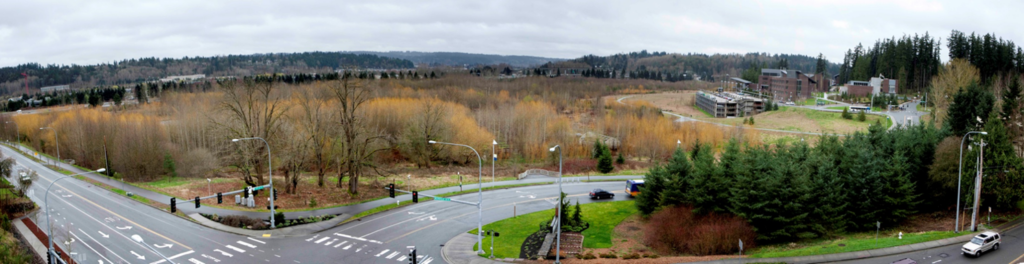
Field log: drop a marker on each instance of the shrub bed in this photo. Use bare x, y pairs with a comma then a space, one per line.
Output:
260, 224
676, 230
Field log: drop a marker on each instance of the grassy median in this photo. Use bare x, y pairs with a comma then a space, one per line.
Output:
850, 243
603, 217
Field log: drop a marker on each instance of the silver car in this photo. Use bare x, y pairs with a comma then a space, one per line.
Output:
983, 242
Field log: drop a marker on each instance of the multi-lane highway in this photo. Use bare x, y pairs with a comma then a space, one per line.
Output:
1011, 251
98, 225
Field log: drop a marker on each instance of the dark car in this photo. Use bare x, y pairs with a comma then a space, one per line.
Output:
599, 194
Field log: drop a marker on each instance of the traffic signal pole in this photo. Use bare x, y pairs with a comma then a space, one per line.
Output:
438, 198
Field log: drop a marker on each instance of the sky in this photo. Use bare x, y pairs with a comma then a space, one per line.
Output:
95, 31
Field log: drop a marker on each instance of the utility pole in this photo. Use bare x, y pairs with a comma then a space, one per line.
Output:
977, 187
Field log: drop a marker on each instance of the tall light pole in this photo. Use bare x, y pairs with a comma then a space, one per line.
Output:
960, 171
49, 226
270, 173
558, 228
480, 195
138, 239
55, 138
16, 133
494, 157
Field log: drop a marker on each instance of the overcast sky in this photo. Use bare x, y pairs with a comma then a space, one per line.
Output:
89, 32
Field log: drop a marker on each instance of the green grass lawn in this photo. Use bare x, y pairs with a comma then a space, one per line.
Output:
840, 108
705, 112
379, 209
603, 217
922, 108
853, 242
115, 190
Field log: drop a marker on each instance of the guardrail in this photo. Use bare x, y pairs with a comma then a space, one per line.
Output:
537, 172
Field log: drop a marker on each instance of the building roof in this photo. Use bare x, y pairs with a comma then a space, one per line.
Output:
718, 99
740, 80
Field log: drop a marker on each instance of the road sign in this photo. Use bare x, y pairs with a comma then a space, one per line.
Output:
442, 199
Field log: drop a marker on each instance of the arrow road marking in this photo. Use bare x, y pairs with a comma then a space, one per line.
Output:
124, 228
235, 249
139, 256
212, 258
104, 235
163, 246
224, 253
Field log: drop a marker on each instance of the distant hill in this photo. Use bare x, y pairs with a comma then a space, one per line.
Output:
460, 59
692, 64
130, 71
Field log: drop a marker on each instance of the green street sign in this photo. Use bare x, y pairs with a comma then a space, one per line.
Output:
442, 199
258, 188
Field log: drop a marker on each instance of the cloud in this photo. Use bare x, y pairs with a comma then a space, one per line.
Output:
88, 32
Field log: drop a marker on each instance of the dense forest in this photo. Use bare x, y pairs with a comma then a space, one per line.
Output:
462, 59
131, 71
678, 67
990, 54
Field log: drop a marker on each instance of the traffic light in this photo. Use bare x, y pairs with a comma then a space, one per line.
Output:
197, 202
174, 207
245, 192
50, 257
412, 256
275, 195
391, 189
415, 196
220, 198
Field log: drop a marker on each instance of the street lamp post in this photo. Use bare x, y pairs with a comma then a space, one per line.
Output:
558, 228
208, 183
49, 226
494, 157
270, 173
138, 239
57, 140
960, 171
480, 195
17, 134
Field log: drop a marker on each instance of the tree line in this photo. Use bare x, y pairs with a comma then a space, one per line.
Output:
911, 59
992, 55
130, 71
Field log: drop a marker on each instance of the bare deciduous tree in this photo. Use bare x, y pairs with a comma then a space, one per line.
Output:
357, 143
254, 111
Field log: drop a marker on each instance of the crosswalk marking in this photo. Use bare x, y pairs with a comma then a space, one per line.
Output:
174, 257
382, 253
330, 242
339, 244
348, 247
318, 241
392, 255
257, 241
402, 258
235, 248
246, 244
427, 261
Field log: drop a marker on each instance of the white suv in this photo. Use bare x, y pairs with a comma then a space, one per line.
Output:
981, 243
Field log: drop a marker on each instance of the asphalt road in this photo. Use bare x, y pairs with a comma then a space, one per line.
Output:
1011, 251
97, 225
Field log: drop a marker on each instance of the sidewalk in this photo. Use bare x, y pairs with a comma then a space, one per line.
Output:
341, 210
459, 250
853, 255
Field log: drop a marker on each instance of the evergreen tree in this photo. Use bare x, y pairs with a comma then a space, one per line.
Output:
169, 166
620, 160
1011, 98
862, 116
970, 106
604, 163
598, 149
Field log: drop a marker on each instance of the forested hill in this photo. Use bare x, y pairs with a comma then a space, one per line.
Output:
131, 71
460, 59
696, 64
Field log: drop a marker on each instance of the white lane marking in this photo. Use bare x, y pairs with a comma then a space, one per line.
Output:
173, 257
224, 253
392, 255
937, 261
94, 250
257, 241
382, 253
427, 261
101, 233
124, 228
318, 241
209, 257
235, 249
246, 244
374, 241
330, 242
137, 255
349, 246
339, 244
402, 258
194, 261
163, 246
311, 239
361, 248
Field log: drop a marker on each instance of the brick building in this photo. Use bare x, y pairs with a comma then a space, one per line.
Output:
790, 85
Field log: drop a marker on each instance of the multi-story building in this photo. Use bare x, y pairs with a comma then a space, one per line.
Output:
55, 88
875, 86
789, 85
729, 104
